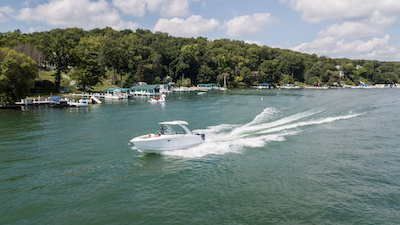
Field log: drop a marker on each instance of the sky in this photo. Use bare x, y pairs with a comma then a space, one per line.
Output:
356, 29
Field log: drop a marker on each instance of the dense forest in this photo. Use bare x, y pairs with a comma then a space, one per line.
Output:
127, 56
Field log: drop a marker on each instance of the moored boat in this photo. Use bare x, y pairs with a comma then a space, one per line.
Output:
77, 104
157, 99
57, 101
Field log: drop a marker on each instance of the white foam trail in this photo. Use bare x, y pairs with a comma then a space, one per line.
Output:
313, 122
246, 129
266, 114
229, 138
218, 129
231, 145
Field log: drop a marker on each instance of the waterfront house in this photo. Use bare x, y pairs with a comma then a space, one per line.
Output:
152, 89
123, 90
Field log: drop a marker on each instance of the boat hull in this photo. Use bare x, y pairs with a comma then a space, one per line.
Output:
166, 142
77, 104
155, 101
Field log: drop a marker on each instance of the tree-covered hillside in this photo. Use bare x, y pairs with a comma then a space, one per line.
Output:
129, 56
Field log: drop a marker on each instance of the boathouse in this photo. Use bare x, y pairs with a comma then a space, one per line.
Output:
210, 86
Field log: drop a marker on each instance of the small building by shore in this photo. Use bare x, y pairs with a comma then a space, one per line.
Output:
151, 89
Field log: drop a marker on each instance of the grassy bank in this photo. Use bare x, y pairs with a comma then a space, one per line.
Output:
45, 85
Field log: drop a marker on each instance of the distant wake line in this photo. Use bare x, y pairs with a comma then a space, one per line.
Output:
231, 138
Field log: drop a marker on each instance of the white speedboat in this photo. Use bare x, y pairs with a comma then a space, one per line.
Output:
175, 136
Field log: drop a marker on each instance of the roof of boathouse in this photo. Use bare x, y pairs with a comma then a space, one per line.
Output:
121, 89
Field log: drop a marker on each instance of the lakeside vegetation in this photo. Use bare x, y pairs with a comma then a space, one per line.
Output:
103, 56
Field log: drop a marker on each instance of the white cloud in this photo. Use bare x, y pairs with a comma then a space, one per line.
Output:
369, 46
360, 31
376, 18
352, 30
317, 10
5, 12
388, 7
74, 13
253, 42
31, 30
122, 25
367, 28
375, 48
191, 27
166, 8
34, 29
131, 7
175, 8
246, 24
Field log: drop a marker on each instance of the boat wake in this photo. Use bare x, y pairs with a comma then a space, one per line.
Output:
265, 128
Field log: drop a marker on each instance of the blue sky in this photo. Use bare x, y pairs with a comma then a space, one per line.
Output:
357, 29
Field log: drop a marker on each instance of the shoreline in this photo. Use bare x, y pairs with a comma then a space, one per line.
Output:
30, 100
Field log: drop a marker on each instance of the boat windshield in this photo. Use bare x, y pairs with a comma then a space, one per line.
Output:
171, 129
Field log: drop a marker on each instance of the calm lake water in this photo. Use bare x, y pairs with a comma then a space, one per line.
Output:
270, 157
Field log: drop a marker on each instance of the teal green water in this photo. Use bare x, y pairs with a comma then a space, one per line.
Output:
270, 156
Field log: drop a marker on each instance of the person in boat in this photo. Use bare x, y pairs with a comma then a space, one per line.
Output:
160, 131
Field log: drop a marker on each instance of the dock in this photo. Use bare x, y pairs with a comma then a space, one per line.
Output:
34, 101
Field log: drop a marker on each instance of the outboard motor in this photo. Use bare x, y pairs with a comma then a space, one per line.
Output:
203, 136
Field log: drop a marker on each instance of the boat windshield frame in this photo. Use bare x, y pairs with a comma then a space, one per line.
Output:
170, 129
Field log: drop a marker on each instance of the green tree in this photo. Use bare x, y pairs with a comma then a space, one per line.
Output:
205, 74
333, 77
188, 63
186, 82
88, 69
349, 70
292, 63
238, 81
109, 55
362, 72
17, 75
146, 56
11, 39
247, 76
62, 56
91, 44
314, 71
32, 52
288, 79
268, 71
158, 69
254, 57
